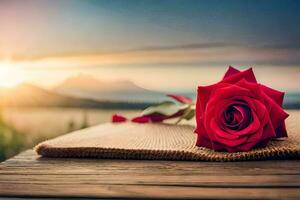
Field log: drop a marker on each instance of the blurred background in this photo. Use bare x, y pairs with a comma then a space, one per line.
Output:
67, 65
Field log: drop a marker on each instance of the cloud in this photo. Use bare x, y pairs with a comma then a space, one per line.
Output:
291, 46
190, 46
185, 46
196, 54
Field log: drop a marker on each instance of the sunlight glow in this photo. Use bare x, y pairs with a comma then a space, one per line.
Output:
10, 74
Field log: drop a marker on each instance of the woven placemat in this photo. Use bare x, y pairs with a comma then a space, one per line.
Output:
159, 142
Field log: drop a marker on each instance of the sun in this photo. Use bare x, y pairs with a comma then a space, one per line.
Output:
10, 74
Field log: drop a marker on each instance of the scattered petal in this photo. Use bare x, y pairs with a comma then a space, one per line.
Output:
118, 118
141, 119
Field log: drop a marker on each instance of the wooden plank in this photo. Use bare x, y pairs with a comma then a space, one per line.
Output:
203, 181
35, 198
28, 176
143, 192
29, 162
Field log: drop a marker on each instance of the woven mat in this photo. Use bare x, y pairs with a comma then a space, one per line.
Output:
159, 142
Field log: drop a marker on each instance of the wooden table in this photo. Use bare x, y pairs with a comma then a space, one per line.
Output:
29, 176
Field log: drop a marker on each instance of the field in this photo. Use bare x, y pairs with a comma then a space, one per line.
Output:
22, 128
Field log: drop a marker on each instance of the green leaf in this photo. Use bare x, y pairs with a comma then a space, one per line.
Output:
189, 115
166, 108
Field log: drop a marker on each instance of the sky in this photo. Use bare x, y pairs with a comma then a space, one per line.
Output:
162, 45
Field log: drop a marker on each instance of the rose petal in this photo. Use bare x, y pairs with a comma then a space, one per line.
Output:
277, 113
246, 116
141, 119
268, 132
118, 118
281, 130
214, 127
247, 74
251, 129
181, 99
230, 71
156, 117
204, 93
204, 141
230, 91
203, 96
276, 95
244, 147
223, 137
253, 88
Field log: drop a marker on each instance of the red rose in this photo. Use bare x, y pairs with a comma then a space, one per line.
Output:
238, 114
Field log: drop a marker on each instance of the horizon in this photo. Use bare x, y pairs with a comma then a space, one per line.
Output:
90, 79
179, 79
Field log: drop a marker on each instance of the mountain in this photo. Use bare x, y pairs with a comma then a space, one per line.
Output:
31, 95
86, 86
28, 95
